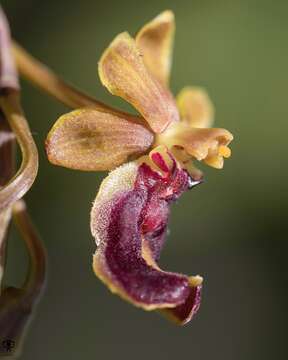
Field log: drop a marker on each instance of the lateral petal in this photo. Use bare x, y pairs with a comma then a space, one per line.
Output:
89, 139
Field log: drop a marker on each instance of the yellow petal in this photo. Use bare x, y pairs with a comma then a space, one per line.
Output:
155, 41
224, 151
90, 140
186, 163
209, 145
122, 71
204, 144
195, 107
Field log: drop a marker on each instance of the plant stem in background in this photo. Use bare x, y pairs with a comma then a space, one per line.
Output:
17, 304
25, 176
37, 254
6, 173
14, 189
44, 78
12, 125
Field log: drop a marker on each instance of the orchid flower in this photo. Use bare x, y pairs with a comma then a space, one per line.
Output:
151, 156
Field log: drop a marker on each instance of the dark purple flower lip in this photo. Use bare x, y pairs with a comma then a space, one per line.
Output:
130, 225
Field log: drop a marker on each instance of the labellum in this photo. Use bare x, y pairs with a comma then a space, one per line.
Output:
129, 222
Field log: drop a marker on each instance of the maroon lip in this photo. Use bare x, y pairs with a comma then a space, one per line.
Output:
138, 218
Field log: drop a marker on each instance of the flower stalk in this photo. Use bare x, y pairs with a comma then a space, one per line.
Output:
48, 81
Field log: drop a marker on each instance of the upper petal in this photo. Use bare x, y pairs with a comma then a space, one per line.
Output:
195, 107
123, 72
88, 139
155, 41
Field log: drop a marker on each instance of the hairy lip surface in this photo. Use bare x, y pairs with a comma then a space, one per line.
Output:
131, 230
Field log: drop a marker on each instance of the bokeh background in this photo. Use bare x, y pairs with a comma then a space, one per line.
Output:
232, 229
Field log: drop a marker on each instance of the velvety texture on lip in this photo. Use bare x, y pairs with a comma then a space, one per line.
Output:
182, 314
130, 231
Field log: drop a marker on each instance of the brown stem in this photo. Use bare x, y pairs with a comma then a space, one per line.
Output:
6, 151
25, 176
5, 217
6, 172
44, 78
17, 305
36, 250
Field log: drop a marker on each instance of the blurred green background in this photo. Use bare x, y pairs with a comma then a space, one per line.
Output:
231, 229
